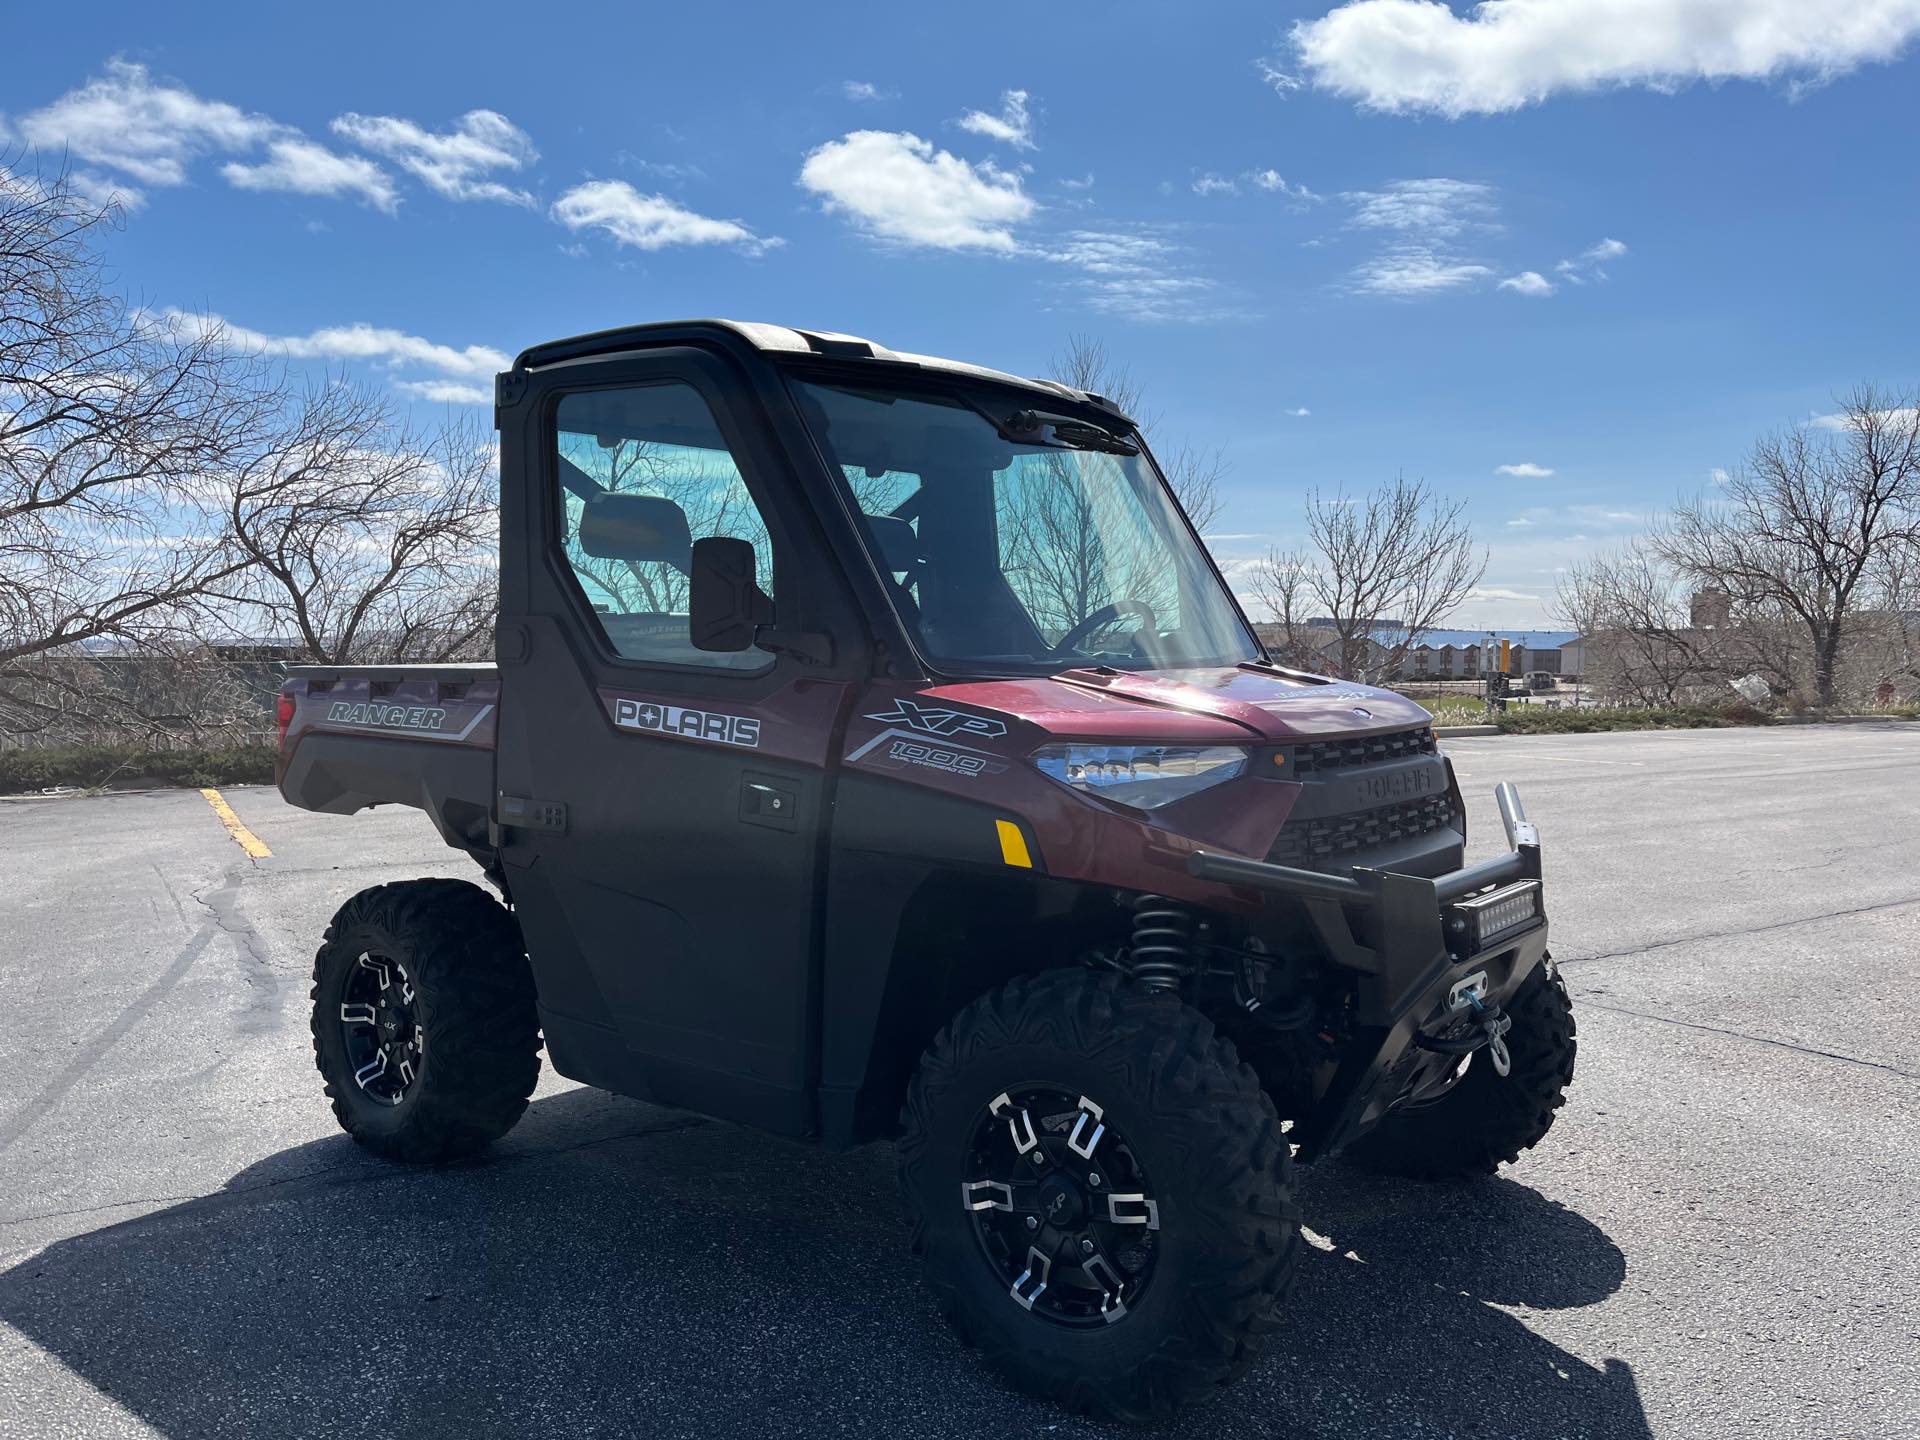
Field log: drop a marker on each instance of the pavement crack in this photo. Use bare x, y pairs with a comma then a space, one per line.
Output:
1767, 929
261, 1013
222, 902
1587, 1003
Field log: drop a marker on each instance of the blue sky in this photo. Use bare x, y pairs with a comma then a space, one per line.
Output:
1610, 239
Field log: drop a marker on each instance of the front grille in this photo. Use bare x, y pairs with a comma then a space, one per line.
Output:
1341, 840
1320, 755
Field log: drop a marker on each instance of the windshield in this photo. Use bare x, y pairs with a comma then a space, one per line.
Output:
1015, 554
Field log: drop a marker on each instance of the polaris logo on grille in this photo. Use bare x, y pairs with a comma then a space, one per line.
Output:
1395, 785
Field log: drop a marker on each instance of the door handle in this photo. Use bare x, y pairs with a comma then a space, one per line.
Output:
769, 802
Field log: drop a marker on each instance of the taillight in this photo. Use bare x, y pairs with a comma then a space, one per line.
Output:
285, 718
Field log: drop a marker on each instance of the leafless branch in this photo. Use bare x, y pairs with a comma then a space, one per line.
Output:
1815, 526
1377, 570
1195, 474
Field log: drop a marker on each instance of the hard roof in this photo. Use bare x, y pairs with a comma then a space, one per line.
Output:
781, 340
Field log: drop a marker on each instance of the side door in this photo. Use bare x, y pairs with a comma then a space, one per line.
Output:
662, 808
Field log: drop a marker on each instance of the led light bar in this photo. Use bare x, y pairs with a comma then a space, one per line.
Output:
1485, 919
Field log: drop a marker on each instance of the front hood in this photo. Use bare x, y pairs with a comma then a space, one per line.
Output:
1216, 704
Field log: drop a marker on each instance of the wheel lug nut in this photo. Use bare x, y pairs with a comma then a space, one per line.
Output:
1033, 1222
1086, 1247
1094, 1180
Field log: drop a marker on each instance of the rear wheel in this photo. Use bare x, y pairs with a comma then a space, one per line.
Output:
1487, 1119
424, 1026
1099, 1191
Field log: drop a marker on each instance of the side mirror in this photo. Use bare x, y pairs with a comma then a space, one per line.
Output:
726, 606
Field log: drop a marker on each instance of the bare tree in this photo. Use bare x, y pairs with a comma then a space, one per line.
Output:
1377, 570
1815, 524
110, 427
1075, 539
1636, 616
114, 430
1194, 474
365, 540
172, 690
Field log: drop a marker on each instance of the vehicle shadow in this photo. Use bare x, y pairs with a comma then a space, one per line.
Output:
612, 1268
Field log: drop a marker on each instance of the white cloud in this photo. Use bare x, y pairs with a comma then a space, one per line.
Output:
151, 131
649, 222
900, 188
299, 165
1840, 420
1136, 276
1274, 182
154, 131
1282, 82
1586, 265
1418, 55
98, 189
1528, 282
446, 392
1086, 184
1525, 470
360, 341
1438, 207
1427, 216
1299, 412
1271, 181
1499, 592
1718, 476
457, 163
1012, 126
1412, 271
862, 90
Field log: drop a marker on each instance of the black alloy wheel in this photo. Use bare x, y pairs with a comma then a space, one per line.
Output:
1062, 1207
1099, 1192
426, 1027
380, 1030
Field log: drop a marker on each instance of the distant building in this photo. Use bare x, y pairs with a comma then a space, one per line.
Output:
1457, 654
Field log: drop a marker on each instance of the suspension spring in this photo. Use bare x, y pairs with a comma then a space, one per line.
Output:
1161, 955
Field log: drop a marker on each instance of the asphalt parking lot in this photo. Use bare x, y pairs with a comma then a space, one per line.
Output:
1720, 1238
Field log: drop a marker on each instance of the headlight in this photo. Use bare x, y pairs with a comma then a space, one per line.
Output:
1143, 776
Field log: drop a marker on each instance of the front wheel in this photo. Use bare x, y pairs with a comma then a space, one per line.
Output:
424, 1024
1488, 1118
1099, 1191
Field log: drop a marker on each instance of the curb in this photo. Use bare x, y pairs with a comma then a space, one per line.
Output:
1451, 732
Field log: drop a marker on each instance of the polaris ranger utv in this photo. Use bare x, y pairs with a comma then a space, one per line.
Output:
873, 750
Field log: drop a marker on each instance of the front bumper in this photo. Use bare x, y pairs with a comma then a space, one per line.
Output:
1426, 950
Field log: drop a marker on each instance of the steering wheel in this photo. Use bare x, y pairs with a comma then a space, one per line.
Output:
1105, 615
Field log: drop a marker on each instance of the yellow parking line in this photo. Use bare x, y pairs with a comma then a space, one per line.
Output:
243, 837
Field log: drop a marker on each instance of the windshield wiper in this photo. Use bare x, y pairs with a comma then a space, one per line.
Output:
1070, 432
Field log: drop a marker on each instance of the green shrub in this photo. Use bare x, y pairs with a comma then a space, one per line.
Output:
1457, 711
1569, 720
123, 767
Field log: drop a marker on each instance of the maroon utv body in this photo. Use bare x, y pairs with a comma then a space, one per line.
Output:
873, 750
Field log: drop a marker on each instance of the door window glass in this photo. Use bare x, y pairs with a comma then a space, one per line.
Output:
644, 472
